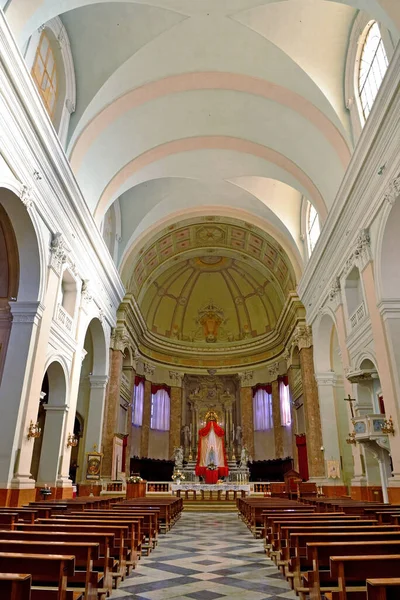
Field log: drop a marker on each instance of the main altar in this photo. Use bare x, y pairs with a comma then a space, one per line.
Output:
212, 464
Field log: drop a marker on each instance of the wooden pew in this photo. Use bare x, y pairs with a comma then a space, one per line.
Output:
120, 532
299, 562
104, 564
351, 573
8, 520
84, 552
319, 553
24, 514
383, 589
49, 573
14, 586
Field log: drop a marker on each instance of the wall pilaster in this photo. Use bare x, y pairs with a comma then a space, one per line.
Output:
316, 465
176, 419
276, 416
246, 405
144, 440
111, 409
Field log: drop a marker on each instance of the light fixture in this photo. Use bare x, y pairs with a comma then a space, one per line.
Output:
352, 438
388, 427
72, 440
34, 430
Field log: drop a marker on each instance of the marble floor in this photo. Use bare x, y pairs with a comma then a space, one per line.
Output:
206, 556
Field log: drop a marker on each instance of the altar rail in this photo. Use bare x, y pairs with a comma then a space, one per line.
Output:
157, 487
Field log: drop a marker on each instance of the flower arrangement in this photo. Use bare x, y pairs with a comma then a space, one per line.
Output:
211, 466
178, 475
134, 479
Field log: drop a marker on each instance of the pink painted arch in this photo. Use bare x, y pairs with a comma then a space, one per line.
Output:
207, 81
216, 142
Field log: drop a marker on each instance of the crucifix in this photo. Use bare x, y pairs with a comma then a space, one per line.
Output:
351, 400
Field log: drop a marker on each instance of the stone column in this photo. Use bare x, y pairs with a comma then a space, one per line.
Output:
176, 419
15, 385
316, 465
95, 418
276, 412
111, 409
53, 438
291, 377
144, 440
386, 366
359, 475
246, 405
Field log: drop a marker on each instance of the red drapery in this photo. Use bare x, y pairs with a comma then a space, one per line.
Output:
139, 379
266, 387
301, 443
155, 387
202, 470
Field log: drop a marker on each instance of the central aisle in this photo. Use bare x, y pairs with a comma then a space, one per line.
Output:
204, 557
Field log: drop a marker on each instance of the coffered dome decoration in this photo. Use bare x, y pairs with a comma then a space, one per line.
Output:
210, 288
211, 299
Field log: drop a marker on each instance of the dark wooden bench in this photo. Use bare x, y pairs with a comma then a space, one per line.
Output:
319, 553
85, 579
383, 589
49, 573
351, 573
15, 586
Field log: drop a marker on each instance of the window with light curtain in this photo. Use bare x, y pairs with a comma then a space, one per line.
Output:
313, 227
284, 397
138, 397
262, 408
372, 67
160, 408
44, 73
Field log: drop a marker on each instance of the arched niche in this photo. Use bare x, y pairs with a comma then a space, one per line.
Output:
21, 280
90, 403
51, 413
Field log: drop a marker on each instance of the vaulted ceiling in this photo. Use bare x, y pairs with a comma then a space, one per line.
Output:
186, 109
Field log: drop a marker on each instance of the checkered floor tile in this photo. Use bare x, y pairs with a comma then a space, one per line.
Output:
206, 557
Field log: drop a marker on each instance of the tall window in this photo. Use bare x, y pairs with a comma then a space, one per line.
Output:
284, 397
138, 397
372, 68
313, 227
44, 73
262, 408
160, 408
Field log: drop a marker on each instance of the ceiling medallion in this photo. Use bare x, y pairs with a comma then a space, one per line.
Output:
210, 234
210, 317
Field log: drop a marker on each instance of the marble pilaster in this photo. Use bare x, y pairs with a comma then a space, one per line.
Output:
312, 415
145, 433
291, 379
246, 404
175, 419
111, 409
276, 417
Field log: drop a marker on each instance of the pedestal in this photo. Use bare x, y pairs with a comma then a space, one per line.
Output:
135, 490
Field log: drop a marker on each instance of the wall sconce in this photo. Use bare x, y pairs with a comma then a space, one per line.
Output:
352, 438
72, 441
388, 427
34, 430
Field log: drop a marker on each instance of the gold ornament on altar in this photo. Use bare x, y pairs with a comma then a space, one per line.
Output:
211, 415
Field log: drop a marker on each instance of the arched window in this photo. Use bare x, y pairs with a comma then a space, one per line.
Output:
313, 227
160, 407
138, 398
262, 408
44, 73
372, 67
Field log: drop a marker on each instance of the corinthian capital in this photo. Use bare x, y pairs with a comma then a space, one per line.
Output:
362, 253
273, 371
59, 251
176, 377
246, 378
148, 369
303, 336
393, 190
